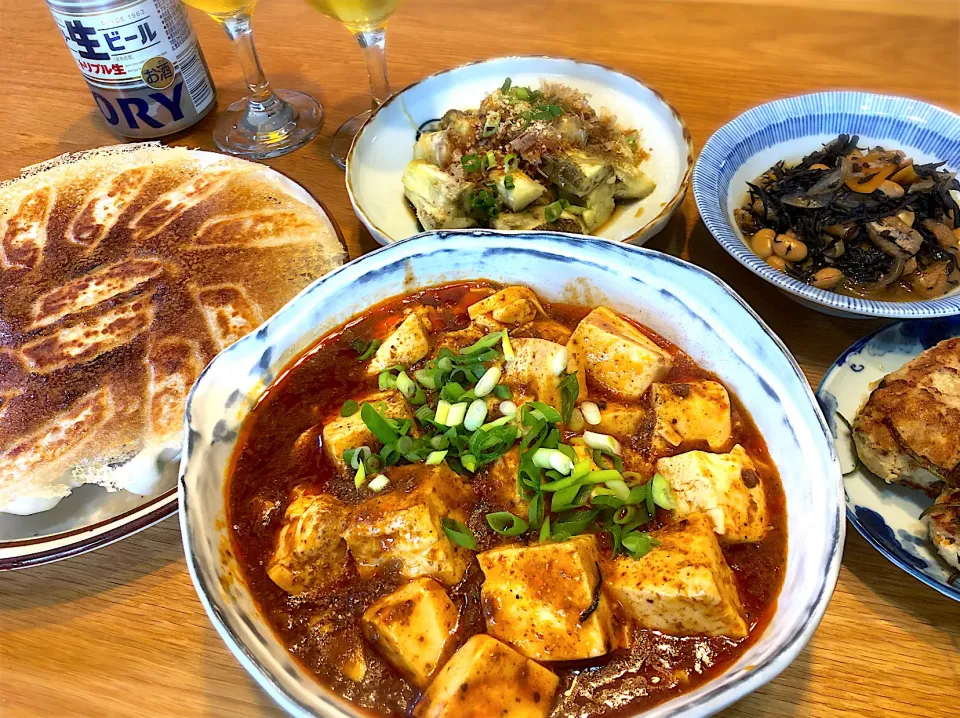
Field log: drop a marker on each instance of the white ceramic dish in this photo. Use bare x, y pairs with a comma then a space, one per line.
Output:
887, 515
684, 303
91, 516
384, 145
788, 129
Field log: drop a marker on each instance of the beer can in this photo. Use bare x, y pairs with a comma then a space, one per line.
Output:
141, 60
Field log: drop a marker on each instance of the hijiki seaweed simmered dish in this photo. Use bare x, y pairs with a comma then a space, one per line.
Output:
467, 502
527, 159
864, 222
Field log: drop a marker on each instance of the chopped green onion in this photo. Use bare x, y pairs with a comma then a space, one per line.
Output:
521, 93
576, 209
456, 414
476, 413
662, 493
435, 457
602, 442
349, 408
508, 183
619, 489
552, 212
426, 379
378, 483
405, 385
569, 391
491, 126
591, 413
490, 160
471, 162
469, 462
574, 524
497, 422
488, 381
419, 397
364, 349
545, 530
506, 524
485, 343
576, 422
452, 391
510, 163
443, 410
565, 499
508, 408
638, 494
360, 477
549, 413
439, 442
502, 391
508, 353
624, 515
458, 533
505, 87
380, 426
638, 543
553, 459
386, 380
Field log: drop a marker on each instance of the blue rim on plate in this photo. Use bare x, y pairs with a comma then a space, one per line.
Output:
920, 126
884, 514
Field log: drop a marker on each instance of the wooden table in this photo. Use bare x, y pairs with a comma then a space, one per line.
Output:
121, 632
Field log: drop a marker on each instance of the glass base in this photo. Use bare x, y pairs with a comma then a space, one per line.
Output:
340, 145
256, 131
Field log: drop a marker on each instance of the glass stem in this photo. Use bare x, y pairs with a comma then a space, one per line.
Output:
373, 44
239, 30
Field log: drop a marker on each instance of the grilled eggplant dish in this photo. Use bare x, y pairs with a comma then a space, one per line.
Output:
526, 160
864, 222
467, 502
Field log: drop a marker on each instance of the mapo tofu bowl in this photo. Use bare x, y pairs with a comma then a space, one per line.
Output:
541, 547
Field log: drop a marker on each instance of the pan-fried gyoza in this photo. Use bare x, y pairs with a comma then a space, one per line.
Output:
469, 502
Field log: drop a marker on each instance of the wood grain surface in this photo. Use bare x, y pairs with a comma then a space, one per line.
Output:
120, 632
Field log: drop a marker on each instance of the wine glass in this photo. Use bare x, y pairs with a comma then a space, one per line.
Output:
267, 122
367, 20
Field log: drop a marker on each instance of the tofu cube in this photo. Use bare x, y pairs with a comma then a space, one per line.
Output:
403, 525
576, 171
531, 375
725, 487
413, 628
691, 411
524, 190
599, 205
349, 432
310, 550
407, 344
617, 355
498, 484
620, 420
511, 305
682, 587
436, 195
546, 601
632, 182
485, 678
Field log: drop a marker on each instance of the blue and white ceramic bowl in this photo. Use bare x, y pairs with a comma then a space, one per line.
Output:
789, 129
680, 301
885, 514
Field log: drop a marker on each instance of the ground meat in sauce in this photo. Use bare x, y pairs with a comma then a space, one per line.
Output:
270, 463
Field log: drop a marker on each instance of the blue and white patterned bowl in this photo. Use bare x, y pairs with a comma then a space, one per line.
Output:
884, 514
789, 129
680, 301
